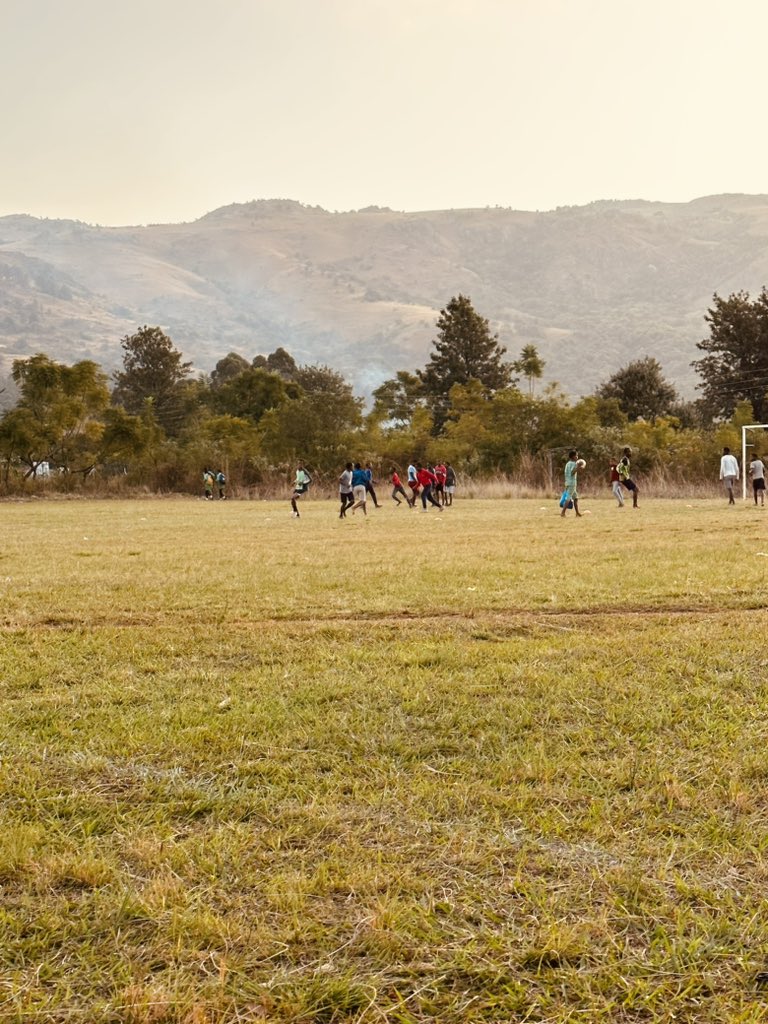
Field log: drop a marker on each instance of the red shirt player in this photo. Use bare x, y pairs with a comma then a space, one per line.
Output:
427, 481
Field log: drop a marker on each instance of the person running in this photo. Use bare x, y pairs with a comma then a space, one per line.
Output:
616, 485
345, 491
571, 493
441, 473
426, 482
729, 473
757, 473
450, 483
413, 483
369, 484
221, 483
625, 478
397, 488
300, 487
208, 484
359, 490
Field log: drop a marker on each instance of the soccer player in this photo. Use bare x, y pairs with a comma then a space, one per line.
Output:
441, 473
345, 491
397, 488
757, 472
571, 483
729, 473
413, 483
300, 487
450, 483
616, 485
359, 489
624, 476
369, 484
426, 482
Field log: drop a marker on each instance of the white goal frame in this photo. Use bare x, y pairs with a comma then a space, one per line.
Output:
744, 446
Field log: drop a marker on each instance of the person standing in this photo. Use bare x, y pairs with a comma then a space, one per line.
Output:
426, 482
397, 488
571, 493
208, 484
729, 473
625, 477
221, 482
359, 489
300, 487
616, 485
757, 473
450, 483
441, 473
345, 491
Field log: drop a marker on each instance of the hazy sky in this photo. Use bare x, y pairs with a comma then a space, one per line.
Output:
162, 110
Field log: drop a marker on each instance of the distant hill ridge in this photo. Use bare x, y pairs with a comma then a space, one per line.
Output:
592, 287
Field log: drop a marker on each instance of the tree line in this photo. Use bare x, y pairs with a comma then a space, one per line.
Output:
157, 424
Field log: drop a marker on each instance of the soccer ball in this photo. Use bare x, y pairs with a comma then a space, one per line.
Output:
581, 463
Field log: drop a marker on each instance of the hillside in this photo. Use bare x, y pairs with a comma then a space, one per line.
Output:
592, 287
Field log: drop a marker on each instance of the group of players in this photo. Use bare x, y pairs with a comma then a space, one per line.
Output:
621, 479
620, 476
435, 485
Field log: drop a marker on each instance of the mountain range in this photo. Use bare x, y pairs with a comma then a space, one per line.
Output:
592, 287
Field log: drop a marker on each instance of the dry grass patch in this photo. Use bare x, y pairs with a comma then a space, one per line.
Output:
502, 767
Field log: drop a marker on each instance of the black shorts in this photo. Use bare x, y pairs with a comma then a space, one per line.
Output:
629, 484
758, 485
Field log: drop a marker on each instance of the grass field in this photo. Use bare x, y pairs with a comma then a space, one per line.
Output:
484, 765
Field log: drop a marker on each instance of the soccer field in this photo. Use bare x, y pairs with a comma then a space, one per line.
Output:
478, 765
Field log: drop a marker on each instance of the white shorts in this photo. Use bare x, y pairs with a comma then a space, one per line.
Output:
359, 492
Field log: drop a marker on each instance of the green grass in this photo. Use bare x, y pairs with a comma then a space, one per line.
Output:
484, 765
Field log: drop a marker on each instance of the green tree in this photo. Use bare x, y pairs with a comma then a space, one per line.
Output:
252, 393
397, 399
282, 362
465, 350
530, 365
230, 366
152, 369
640, 389
735, 367
318, 424
58, 417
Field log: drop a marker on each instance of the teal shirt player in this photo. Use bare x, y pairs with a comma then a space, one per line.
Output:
571, 474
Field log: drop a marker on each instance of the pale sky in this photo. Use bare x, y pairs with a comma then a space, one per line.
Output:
162, 110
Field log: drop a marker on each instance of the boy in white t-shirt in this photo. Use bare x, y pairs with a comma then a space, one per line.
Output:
757, 472
729, 473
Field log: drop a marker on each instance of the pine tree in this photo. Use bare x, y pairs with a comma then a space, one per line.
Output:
465, 350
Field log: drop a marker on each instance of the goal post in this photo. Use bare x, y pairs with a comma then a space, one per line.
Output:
744, 445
